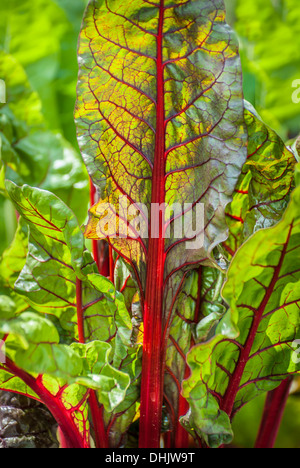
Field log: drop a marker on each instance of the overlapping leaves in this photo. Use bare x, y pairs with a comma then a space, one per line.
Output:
252, 351
56, 261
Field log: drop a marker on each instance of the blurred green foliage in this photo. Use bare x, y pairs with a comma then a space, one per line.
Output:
42, 37
269, 36
38, 62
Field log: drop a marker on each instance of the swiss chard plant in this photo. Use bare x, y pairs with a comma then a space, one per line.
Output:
155, 337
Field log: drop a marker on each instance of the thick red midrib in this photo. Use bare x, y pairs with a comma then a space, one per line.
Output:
152, 369
61, 415
273, 414
101, 437
233, 387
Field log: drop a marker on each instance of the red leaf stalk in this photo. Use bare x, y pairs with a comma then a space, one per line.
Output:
95, 248
181, 435
273, 414
152, 365
72, 438
96, 410
99, 248
227, 404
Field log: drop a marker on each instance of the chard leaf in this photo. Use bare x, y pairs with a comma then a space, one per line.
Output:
33, 344
121, 418
264, 187
11, 264
14, 257
62, 373
21, 100
10, 383
123, 104
253, 350
56, 259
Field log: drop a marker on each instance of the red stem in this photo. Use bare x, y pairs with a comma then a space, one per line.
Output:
94, 242
96, 410
111, 265
101, 438
233, 387
98, 247
152, 365
273, 414
167, 440
63, 442
181, 435
80, 317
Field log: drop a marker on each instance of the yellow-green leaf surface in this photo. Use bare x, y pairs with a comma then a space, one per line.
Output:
160, 109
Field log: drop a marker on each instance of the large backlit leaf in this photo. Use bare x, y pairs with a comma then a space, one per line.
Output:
252, 351
124, 106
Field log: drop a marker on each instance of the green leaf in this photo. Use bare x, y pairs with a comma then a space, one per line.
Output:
48, 281
197, 309
11, 264
253, 350
33, 344
111, 383
264, 187
11, 383
21, 101
56, 259
47, 215
48, 54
